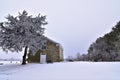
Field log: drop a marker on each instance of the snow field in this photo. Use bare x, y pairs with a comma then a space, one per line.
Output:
62, 71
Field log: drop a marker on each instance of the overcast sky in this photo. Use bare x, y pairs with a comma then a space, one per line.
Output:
75, 24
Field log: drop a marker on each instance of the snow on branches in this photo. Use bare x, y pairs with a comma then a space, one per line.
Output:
22, 31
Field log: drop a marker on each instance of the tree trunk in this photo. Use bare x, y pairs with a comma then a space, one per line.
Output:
24, 56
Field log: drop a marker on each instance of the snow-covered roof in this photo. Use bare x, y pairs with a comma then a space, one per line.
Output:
51, 40
57, 44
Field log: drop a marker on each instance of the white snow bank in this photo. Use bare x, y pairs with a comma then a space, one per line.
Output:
62, 71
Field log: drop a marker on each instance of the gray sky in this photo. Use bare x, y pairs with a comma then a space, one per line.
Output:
73, 23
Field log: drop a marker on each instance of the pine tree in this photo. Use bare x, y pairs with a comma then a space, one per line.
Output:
22, 32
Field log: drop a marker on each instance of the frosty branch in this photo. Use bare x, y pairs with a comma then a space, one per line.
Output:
22, 31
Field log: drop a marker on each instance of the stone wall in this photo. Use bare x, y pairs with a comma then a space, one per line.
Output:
53, 53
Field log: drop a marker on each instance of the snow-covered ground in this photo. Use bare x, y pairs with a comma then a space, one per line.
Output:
61, 71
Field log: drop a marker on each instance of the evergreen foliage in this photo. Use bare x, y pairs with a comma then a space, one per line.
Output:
106, 48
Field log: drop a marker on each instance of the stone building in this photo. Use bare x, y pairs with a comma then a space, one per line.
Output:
52, 52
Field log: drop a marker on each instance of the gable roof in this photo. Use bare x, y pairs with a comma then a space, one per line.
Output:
57, 44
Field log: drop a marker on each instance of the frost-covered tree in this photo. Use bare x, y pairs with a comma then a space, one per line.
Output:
22, 32
78, 56
106, 48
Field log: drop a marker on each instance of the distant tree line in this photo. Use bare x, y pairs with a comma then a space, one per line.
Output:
106, 48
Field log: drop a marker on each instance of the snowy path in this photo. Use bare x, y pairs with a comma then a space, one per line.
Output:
62, 71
